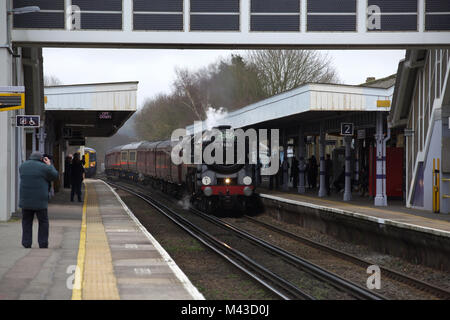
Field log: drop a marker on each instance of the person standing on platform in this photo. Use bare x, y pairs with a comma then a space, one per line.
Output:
364, 181
295, 172
328, 173
76, 176
67, 167
312, 172
35, 176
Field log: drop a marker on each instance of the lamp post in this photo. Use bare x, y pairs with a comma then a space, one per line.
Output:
22, 10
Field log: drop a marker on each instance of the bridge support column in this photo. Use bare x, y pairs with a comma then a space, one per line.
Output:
7, 135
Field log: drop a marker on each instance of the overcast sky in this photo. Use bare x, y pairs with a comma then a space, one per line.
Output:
154, 69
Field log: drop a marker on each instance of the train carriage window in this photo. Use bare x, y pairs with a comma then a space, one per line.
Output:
133, 156
124, 156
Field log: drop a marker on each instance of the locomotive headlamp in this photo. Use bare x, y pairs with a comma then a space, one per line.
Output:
227, 180
247, 181
206, 180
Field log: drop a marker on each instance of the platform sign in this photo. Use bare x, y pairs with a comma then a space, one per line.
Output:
28, 121
105, 115
12, 101
347, 129
383, 103
77, 142
361, 134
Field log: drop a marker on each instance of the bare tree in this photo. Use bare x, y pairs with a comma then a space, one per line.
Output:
190, 91
51, 81
283, 70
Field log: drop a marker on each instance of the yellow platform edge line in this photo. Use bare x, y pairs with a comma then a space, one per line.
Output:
79, 271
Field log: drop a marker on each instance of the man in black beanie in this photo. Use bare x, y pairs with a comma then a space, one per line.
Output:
35, 176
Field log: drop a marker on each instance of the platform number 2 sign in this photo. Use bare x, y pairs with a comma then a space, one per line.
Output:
347, 129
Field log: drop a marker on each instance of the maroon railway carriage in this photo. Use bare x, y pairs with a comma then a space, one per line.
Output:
112, 161
210, 186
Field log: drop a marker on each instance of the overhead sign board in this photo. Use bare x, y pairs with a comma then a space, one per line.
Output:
12, 101
347, 129
77, 142
28, 121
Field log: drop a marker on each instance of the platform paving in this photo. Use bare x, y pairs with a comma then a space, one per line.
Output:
98, 244
41, 273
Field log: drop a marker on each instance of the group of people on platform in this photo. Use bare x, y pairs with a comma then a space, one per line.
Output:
311, 173
74, 174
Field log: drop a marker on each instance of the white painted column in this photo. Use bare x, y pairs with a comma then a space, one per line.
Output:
7, 169
348, 174
322, 142
301, 162
285, 164
380, 198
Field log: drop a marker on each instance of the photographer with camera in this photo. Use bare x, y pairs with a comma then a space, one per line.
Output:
35, 176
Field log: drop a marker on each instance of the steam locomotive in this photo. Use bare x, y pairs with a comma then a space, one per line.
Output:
208, 186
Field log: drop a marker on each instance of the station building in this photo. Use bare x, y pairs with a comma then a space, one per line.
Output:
421, 108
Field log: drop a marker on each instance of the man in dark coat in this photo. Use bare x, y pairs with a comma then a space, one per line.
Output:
294, 172
76, 176
312, 172
67, 167
328, 173
35, 176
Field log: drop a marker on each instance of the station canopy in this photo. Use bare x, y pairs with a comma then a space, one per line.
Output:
91, 110
313, 103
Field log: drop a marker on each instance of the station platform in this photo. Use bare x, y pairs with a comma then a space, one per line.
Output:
363, 208
97, 250
415, 235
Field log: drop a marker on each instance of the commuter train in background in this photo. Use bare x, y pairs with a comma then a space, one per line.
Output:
209, 187
90, 161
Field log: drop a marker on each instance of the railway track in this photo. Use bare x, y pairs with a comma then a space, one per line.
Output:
271, 280
392, 274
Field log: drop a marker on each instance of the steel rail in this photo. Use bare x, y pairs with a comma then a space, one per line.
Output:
418, 284
220, 247
314, 270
